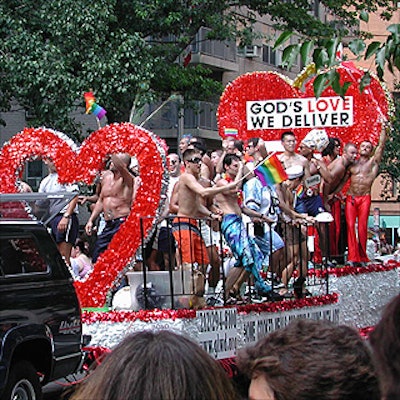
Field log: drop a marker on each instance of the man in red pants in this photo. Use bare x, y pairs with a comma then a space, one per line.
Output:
358, 201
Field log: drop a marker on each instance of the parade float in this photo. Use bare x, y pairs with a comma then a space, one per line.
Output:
259, 104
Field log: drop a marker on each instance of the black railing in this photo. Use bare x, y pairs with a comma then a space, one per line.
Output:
187, 259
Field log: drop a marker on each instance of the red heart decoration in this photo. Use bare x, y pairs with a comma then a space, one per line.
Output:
82, 165
369, 106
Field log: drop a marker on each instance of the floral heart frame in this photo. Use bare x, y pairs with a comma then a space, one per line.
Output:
370, 107
82, 165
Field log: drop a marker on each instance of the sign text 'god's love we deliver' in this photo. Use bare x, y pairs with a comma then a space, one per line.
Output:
300, 113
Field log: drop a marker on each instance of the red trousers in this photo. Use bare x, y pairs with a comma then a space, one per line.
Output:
357, 207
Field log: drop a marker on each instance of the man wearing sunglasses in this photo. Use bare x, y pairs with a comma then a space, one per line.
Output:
186, 227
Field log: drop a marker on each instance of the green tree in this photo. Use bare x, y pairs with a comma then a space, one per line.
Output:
130, 52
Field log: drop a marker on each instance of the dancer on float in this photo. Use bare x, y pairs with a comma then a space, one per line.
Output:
115, 200
311, 201
334, 204
248, 256
358, 200
264, 200
164, 242
185, 226
293, 225
331, 191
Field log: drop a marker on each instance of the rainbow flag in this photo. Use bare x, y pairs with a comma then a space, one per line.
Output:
92, 107
300, 191
271, 171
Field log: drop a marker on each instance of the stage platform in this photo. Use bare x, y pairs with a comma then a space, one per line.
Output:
356, 297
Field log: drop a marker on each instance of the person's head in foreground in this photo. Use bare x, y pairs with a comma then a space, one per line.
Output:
385, 341
157, 365
310, 360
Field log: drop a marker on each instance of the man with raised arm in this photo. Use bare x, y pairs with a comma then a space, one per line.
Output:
245, 250
358, 200
186, 227
115, 201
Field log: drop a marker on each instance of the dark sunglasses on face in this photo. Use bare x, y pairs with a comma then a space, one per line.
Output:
173, 162
196, 160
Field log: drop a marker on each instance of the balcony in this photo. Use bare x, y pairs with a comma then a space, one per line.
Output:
215, 54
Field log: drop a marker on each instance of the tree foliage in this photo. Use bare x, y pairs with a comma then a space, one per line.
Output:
130, 52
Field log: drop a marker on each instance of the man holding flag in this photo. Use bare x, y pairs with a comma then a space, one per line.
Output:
248, 255
260, 196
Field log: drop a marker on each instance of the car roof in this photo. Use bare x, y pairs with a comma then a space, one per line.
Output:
21, 206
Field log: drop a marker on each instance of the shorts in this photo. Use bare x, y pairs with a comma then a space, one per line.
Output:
312, 205
72, 232
104, 239
192, 248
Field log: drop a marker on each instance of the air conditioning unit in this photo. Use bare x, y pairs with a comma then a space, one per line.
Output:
250, 51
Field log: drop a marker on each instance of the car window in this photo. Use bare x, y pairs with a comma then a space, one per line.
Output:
20, 256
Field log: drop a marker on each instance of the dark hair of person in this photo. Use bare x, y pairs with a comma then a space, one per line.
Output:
157, 365
189, 153
239, 145
309, 360
328, 151
254, 141
229, 158
198, 139
385, 342
82, 246
199, 147
285, 134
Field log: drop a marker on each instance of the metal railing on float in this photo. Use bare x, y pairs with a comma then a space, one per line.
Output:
188, 258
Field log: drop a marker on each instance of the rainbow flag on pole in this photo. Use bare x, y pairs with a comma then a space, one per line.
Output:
92, 107
271, 171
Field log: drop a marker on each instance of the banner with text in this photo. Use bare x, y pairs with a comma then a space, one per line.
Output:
307, 112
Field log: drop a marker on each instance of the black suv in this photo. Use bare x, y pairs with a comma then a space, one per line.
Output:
40, 324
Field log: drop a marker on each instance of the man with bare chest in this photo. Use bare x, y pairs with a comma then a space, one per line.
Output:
191, 207
115, 200
244, 248
358, 200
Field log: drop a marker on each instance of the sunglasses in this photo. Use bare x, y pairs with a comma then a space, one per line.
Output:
173, 162
196, 160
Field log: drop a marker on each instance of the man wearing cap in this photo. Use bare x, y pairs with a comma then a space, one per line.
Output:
311, 202
291, 219
264, 200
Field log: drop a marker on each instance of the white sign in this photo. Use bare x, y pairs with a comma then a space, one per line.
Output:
218, 332
307, 112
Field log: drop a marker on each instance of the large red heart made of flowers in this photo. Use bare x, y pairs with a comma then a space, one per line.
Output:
369, 107
82, 165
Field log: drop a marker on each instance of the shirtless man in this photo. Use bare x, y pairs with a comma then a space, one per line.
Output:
358, 200
185, 226
248, 255
115, 200
332, 199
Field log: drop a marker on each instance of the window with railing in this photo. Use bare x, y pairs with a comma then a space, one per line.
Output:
225, 50
201, 115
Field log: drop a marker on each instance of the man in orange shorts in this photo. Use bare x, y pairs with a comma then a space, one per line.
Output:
186, 227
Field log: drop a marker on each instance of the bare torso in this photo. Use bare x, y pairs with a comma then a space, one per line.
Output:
362, 176
189, 202
228, 201
116, 196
